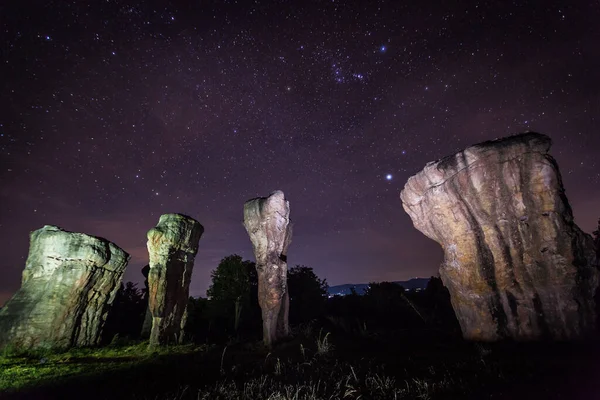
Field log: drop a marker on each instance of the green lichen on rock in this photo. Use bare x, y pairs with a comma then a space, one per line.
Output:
69, 283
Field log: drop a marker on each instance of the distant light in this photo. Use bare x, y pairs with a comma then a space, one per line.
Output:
48, 38
382, 49
388, 177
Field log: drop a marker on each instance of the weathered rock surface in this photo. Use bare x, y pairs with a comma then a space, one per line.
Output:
267, 221
516, 265
172, 246
69, 283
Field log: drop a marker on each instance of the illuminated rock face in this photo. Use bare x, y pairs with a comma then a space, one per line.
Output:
172, 246
267, 220
69, 283
515, 263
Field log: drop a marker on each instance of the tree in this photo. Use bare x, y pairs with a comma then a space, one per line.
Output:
126, 314
596, 234
437, 300
390, 306
385, 294
308, 293
197, 325
230, 287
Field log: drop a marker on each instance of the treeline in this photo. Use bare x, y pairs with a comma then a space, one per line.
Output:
231, 311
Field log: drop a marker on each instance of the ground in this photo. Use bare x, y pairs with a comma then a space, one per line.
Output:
418, 364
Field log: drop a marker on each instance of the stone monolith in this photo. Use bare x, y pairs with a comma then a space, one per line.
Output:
68, 285
515, 263
267, 221
172, 246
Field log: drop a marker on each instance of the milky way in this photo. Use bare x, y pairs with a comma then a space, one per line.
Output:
114, 112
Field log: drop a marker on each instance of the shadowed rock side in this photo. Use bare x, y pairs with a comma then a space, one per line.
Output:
69, 283
172, 246
515, 263
267, 220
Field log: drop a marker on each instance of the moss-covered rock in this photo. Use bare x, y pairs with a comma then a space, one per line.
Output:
69, 283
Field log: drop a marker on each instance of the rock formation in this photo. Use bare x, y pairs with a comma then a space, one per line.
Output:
515, 263
172, 246
267, 220
69, 283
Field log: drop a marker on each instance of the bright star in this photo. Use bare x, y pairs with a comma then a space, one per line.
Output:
382, 49
388, 177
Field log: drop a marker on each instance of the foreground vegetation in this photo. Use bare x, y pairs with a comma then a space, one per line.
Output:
20, 370
386, 344
315, 364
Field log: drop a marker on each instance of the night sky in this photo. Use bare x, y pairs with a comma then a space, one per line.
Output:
114, 112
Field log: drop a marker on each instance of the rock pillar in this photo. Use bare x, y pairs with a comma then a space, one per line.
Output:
69, 283
267, 221
172, 246
515, 263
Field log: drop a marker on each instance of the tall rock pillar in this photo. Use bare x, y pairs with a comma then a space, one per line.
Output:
69, 283
515, 263
267, 221
172, 246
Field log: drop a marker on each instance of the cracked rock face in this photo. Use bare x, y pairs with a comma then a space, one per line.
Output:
515, 263
267, 221
69, 283
172, 246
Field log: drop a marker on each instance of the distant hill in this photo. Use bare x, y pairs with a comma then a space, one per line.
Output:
342, 290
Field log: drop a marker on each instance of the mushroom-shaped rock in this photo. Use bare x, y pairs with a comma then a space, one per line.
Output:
172, 246
267, 221
515, 263
69, 283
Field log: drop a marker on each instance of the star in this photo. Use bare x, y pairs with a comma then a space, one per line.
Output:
388, 177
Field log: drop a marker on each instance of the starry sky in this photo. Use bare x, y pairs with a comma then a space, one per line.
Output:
115, 112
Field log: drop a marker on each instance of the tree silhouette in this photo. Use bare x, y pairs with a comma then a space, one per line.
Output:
596, 234
308, 293
230, 287
126, 314
384, 296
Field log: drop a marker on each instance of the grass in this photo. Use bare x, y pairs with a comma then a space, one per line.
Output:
324, 345
34, 368
389, 365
